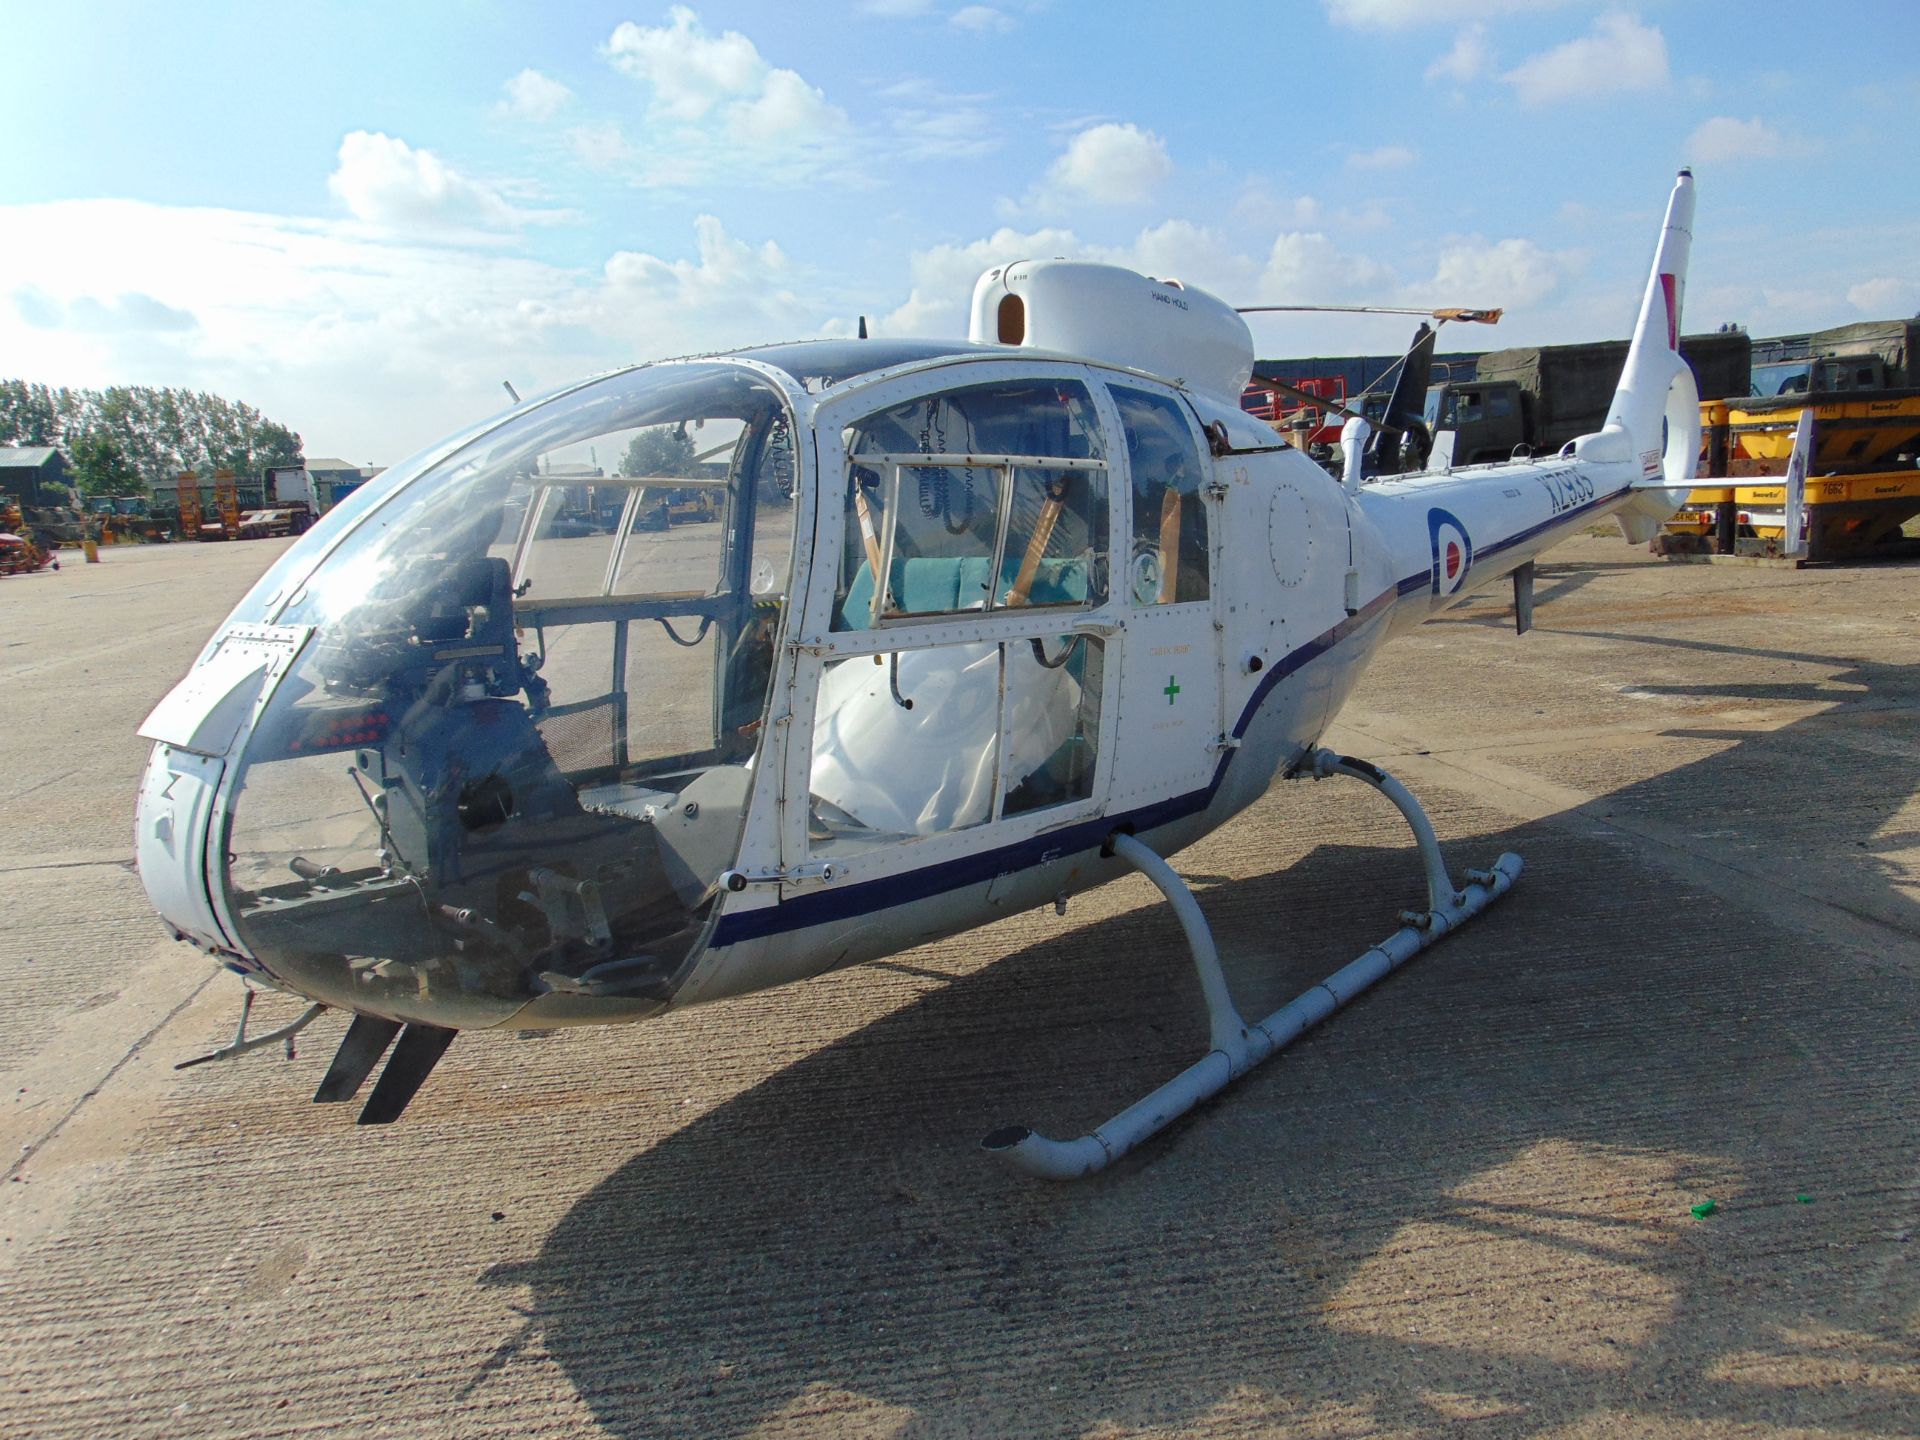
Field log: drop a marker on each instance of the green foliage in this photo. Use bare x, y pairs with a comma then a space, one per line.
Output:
154, 434
660, 450
33, 414
100, 466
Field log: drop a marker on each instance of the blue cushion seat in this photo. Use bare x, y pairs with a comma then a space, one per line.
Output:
941, 585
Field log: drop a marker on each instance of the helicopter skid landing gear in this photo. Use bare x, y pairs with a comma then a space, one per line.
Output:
1238, 1046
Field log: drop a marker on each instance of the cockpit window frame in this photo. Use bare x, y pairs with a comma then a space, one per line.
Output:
879, 612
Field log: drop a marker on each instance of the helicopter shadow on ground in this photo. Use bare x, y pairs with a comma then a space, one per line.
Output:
1818, 792
1559, 581
833, 1232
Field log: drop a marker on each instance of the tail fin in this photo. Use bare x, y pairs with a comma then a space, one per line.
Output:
1655, 415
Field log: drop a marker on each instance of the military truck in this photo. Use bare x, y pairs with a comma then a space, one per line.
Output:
1533, 400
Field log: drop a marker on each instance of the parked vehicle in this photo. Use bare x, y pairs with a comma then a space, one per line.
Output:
282, 520
20, 555
1533, 400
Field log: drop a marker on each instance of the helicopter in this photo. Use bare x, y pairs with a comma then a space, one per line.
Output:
961, 629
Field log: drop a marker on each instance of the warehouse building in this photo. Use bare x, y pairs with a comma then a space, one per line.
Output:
35, 475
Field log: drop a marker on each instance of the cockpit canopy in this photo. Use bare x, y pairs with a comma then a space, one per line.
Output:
513, 757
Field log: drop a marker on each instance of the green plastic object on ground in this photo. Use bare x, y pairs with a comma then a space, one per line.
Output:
1704, 1209
1804, 1199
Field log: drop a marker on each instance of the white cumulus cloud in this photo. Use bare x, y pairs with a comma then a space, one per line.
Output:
1405, 14
1110, 164
533, 96
1305, 267
1724, 139
726, 276
717, 110
687, 71
1499, 275
1888, 295
1469, 59
786, 106
386, 181
1619, 53
981, 19
1192, 254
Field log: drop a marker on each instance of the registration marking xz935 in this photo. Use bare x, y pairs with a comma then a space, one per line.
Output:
1566, 489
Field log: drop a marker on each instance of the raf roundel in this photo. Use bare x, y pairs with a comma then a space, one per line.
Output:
1452, 551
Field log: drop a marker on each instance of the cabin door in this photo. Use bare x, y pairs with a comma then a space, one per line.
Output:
1170, 688
957, 700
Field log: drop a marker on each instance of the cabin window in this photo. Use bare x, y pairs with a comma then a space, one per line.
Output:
992, 497
914, 743
1499, 404
664, 523
1170, 556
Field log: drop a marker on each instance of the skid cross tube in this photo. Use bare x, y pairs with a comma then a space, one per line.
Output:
242, 1042
1237, 1046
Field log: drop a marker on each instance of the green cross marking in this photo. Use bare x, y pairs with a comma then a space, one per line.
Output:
1173, 689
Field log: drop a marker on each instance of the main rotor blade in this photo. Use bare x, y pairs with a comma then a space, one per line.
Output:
418, 1051
1477, 317
366, 1041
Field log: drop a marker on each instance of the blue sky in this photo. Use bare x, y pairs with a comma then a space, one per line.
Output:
362, 217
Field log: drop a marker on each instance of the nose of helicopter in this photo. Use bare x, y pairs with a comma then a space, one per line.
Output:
480, 749
201, 735
416, 859
193, 730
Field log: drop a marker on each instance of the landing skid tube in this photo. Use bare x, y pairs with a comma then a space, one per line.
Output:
1237, 1045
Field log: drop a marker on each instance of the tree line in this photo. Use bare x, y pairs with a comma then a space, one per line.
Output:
123, 439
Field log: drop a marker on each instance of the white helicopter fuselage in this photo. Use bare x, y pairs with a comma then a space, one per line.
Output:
1214, 699
967, 613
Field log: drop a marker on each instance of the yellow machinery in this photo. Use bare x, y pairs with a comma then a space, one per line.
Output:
1863, 483
20, 552
226, 499
189, 503
1851, 431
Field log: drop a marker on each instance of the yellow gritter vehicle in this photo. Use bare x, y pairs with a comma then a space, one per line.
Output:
1863, 484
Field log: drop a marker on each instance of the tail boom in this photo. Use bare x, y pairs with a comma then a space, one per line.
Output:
1448, 534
